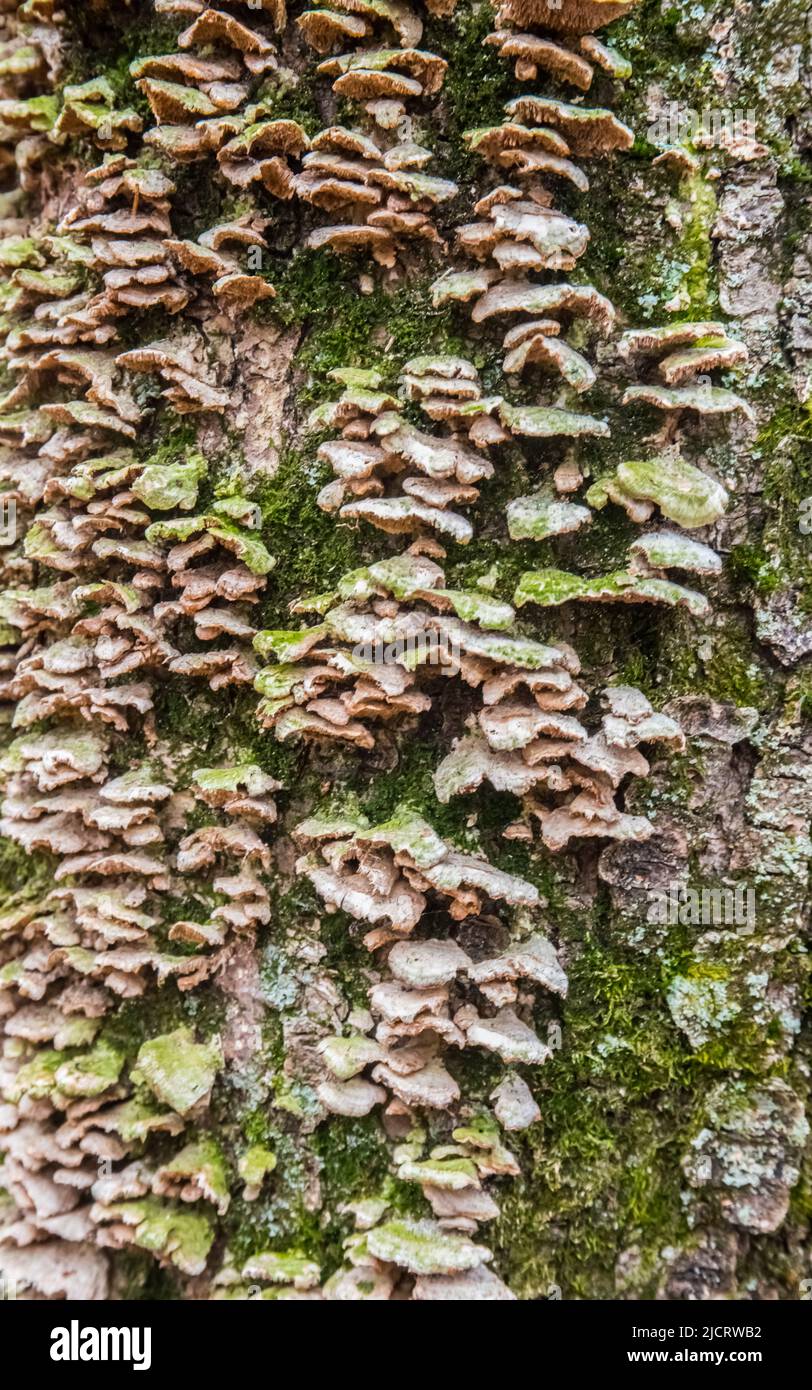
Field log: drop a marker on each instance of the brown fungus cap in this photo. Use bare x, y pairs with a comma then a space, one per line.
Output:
340, 139
640, 342
214, 26
326, 30
531, 53
187, 67
424, 69
406, 23
353, 238
588, 130
566, 17
520, 296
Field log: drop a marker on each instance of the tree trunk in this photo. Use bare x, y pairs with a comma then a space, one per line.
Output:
407, 650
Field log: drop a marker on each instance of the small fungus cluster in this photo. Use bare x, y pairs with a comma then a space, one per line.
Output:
372, 181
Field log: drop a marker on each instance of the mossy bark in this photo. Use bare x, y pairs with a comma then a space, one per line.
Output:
661, 1019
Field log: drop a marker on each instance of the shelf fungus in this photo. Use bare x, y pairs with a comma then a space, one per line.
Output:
392, 474
138, 559
247, 37
382, 77
67, 1116
567, 776
123, 215
217, 594
390, 876
216, 254
520, 230
240, 796
682, 492
567, 60
678, 359
536, 337
382, 196
181, 88
542, 515
374, 185
91, 939
404, 1258
89, 111
471, 986
88, 786
401, 479
200, 95
383, 873
31, 67
387, 635
521, 235
181, 364
71, 1113
550, 588
105, 626
268, 1274
261, 152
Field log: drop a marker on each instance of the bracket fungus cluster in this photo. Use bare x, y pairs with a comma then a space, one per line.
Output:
77, 1113
139, 567
30, 64
115, 575
472, 985
74, 1127
382, 196
216, 255
389, 632
199, 95
565, 48
677, 361
677, 358
371, 179
400, 478
427, 1260
241, 796
568, 777
392, 474
208, 101
520, 233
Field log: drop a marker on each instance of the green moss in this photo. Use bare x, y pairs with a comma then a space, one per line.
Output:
24, 875
696, 247
312, 552
477, 85
89, 52
733, 672
751, 566
344, 328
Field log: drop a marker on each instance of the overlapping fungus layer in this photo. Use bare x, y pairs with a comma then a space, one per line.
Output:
138, 587
130, 570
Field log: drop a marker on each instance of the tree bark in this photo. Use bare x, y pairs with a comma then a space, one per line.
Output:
231, 1064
